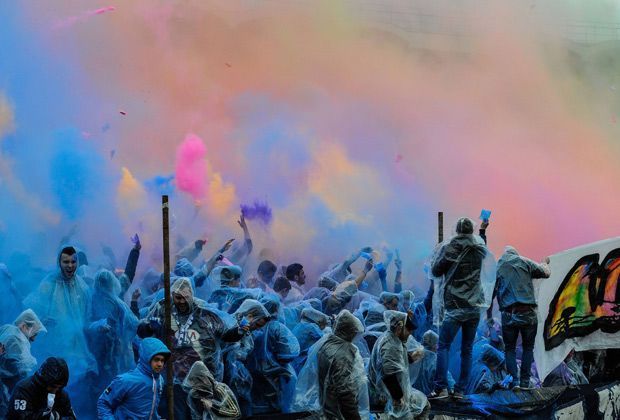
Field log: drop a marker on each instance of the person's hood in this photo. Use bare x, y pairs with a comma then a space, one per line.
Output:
225, 274
200, 381
271, 303
385, 297
53, 371
394, 319
347, 326
430, 339
254, 308
32, 321
327, 281
107, 283
150, 347
491, 356
183, 286
510, 250
312, 315
183, 268
315, 303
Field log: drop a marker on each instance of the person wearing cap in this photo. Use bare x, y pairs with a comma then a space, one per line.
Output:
136, 394
17, 362
460, 262
388, 373
42, 395
514, 290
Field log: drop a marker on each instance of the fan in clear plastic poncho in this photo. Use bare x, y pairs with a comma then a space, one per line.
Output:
387, 301
333, 380
62, 302
275, 347
112, 327
207, 398
229, 293
424, 381
236, 375
308, 332
16, 362
388, 373
464, 271
489, 372
198, 330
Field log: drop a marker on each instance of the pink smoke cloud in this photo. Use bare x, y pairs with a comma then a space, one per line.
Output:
191, 166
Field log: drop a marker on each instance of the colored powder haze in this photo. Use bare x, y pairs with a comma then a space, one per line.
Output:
355, 122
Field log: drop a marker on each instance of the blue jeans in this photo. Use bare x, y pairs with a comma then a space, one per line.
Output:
449, 328
511, 328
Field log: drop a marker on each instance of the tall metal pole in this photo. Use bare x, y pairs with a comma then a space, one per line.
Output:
167, 305
440, 227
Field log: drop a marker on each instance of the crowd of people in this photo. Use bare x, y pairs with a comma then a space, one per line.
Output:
248, 342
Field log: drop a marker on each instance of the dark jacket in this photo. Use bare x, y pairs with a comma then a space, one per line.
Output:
514, 279
30, 396
463, 288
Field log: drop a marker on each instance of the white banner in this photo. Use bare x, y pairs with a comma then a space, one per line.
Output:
579, 305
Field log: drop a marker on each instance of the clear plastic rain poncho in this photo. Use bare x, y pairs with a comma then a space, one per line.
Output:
308, 332
63, 305
488, 272
333, 379
16, 363
274, 378
488, 369
389, 359
236, 374
197, 333
207, 398
112, 327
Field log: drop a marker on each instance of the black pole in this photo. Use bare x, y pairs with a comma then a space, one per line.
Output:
167, 303
440, 227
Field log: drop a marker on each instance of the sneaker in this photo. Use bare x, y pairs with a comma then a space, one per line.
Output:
458, 395
439, 394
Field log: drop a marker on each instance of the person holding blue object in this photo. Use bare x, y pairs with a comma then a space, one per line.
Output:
308, 332
515, 295
136, 394
491, 374
274, 379
460, 261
